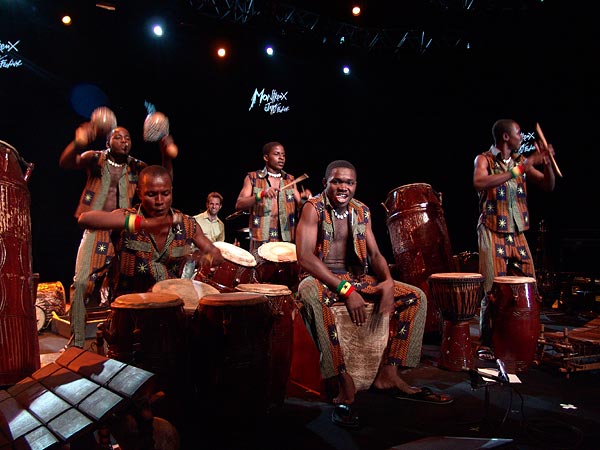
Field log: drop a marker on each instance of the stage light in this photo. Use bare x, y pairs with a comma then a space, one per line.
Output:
221, 52
269, 50
356, 11
66, 20
157, 30
346, 70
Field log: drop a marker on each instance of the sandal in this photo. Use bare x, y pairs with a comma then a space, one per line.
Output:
344, 416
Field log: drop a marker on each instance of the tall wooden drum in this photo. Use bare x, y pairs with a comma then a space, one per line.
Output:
19, 345
457, 295
419, 236
515, 313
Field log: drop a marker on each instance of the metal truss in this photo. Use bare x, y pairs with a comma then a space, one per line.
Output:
292, 19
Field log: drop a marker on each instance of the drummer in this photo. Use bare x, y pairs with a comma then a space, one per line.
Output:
151, 240
273, 211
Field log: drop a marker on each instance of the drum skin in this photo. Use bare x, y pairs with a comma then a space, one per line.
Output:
515, 313
238, 267
19, 345
419, 236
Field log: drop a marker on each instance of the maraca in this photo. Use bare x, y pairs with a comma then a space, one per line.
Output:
156, 126
103, 120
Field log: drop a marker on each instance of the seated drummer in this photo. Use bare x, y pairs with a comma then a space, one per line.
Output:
151, 240
334, 237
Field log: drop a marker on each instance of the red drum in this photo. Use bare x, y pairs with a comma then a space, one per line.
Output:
515, 314
281, 303
19, 344
232, 336
237, 268
51, 297
278, 264
147, 330
420, 242
457, 295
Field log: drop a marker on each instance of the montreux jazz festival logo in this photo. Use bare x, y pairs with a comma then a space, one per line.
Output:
272, 103
7, 50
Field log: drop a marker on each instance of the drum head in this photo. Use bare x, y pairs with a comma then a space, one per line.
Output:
233, 299
190, 291
278, 251
236, 254
465, 276
508, 279
147, 300
264, 288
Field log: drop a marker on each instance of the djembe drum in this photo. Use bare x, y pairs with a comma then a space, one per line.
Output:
237, 268
231, 345
277, 264
281, 303
515, 313
457, 296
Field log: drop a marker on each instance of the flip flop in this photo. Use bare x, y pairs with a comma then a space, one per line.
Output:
485, 354
425, 395
344, 416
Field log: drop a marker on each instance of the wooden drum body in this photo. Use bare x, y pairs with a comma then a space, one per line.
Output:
419, 236
232, 334
19, 345
281, 304
147, 330
515, 314
237, 268
457, 295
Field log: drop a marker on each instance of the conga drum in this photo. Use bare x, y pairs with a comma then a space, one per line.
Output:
281, 304
515, 315
419, 236
146, 330
19, 345
277, 264
233, 331
457, 295
237, 268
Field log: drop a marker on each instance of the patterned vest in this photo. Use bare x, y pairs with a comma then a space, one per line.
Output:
95, 191
359, 217
139, 265
260, 218
503, 209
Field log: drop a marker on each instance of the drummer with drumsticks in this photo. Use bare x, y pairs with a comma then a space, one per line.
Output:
500, 177
151, 239
273, 198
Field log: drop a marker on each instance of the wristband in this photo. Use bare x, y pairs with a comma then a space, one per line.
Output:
345, 290
340, 286
259, 195
137, 225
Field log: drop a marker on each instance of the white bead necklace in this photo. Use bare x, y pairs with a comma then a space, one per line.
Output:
274, 175
340, 216
114, 164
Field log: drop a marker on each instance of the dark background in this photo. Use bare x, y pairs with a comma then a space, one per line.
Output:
401, 117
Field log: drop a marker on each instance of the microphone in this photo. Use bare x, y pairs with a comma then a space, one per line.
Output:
502, 370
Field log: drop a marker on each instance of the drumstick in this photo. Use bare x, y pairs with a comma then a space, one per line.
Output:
538, 129
297, 180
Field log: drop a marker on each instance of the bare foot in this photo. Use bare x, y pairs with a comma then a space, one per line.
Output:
388, 377
347, 390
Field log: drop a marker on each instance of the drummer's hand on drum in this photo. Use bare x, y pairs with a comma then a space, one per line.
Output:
355, 305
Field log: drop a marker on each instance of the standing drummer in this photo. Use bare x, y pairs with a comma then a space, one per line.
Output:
500, 177
112, 176
273, 210
151, 239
